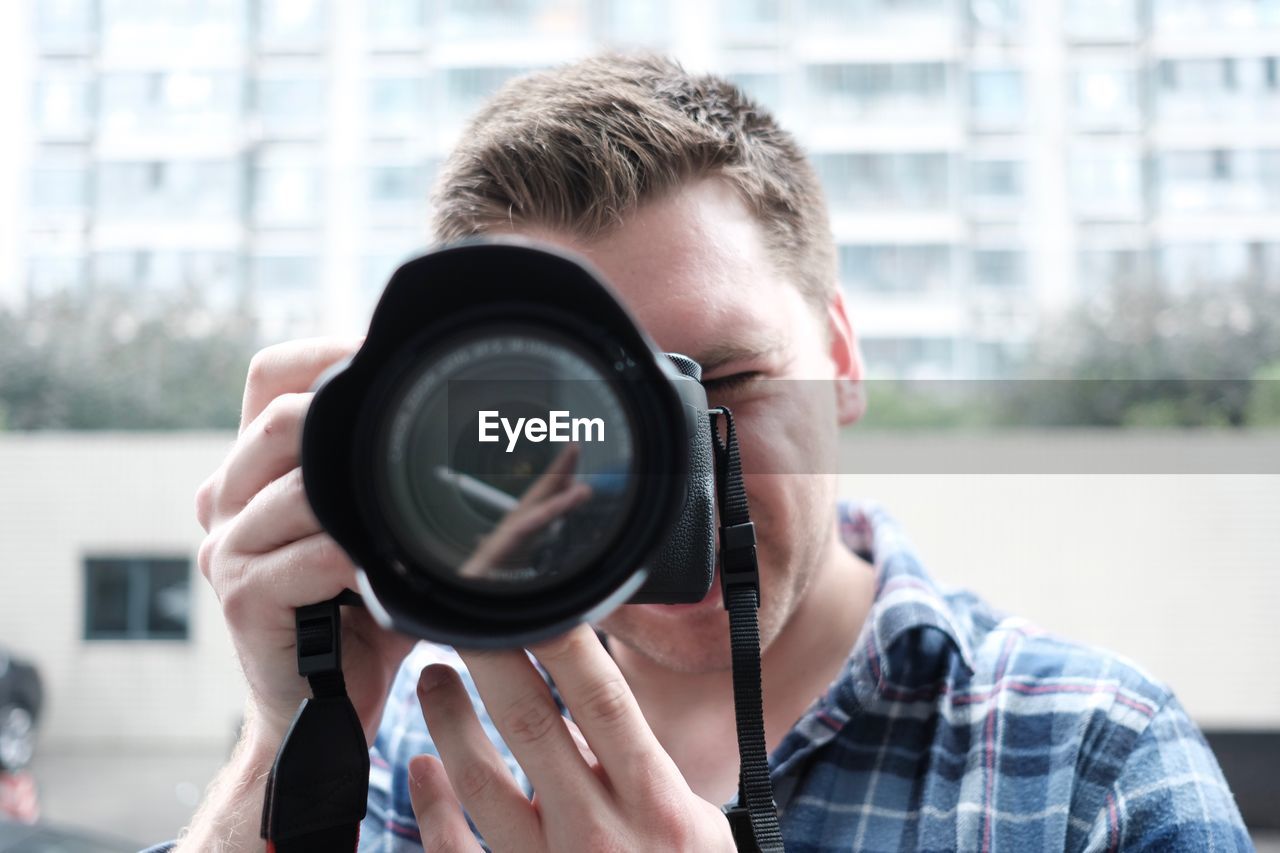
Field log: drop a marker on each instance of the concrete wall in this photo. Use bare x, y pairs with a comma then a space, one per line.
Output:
1177, 571
65, 496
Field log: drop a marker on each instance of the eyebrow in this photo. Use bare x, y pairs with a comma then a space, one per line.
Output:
718, 355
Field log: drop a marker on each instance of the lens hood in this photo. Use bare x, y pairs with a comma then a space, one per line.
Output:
465, 291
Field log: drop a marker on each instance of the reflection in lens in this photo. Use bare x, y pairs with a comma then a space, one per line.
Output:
537, 501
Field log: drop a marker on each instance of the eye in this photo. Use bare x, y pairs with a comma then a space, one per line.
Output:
731, 382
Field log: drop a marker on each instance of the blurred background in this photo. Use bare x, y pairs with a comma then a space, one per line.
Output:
1020, 189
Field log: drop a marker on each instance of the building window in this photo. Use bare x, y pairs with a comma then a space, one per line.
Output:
903, 181
1104, 96
996, 183
764, 87
59, 186
203, 189
1004, 268
397, 105
64, 104
54, 273
292, 24
909, 357
137, 598
996, 97
996, 16
291, 104
397, 188
751, 19
65, 24
1106, 182
467, 88
397, 20
1101, 20
917, 89
286, 186
895, 268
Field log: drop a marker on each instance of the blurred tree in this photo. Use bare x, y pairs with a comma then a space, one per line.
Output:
1141, 355
106, 360
1264, 403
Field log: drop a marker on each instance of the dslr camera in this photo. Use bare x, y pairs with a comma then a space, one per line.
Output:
508, 454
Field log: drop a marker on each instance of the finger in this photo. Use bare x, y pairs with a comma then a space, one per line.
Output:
478, 775
266, 449
277, 515
602, 704
528, 520
557, 475
288, 368
441, 823
300, 573
530, 722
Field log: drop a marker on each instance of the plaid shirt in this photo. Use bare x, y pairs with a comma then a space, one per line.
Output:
951, 727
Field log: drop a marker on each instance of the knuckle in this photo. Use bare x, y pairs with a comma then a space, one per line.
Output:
206, 555
237, 597
204, 502
651, 774
566, 646
608, 702
595, 836
674, 825
473, 780
282, 414
531, 721
261, 366
438, 842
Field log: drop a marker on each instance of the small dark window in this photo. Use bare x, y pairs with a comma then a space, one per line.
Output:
137, 598
1221, 165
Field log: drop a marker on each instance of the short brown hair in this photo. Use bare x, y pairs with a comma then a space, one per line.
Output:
576, 147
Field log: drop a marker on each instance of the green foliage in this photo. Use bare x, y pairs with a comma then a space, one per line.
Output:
925, 404
1263, 409
1142, 356
105, 360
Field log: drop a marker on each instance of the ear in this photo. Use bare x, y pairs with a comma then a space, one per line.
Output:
851, 401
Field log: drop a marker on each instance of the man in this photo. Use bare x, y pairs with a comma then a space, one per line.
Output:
897, 716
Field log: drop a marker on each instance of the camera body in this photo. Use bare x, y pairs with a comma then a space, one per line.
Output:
476, 536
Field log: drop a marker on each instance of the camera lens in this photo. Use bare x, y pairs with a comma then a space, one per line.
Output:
504, 461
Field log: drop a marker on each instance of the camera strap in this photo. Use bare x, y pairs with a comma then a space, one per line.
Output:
754, 818
319, 784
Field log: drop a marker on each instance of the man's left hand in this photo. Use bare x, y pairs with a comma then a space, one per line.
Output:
604, 784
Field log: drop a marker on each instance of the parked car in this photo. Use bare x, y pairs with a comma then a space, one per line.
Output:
21, 698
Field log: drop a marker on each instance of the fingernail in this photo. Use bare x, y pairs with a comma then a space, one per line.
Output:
417, 771
433, 676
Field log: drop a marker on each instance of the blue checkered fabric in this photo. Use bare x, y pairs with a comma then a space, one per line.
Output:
951, 727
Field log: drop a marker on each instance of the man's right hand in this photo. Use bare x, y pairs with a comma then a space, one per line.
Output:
264, 556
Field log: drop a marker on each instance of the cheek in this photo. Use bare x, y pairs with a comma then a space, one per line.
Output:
793, 433
789, 451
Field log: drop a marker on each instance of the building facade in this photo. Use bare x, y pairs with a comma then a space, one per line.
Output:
987, 161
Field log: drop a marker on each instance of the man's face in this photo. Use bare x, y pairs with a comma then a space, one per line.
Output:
693, 269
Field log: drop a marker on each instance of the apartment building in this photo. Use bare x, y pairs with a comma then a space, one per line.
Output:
987, 161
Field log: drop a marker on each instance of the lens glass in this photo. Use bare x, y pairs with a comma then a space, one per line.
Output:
505, 460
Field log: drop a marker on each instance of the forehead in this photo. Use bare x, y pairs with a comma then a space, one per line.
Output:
694, 270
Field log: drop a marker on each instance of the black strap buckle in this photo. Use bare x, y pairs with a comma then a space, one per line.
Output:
738, 563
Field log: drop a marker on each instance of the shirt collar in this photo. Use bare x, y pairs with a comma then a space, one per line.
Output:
908, 603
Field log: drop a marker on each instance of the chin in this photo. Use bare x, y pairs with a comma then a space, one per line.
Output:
690, 638
682, 640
